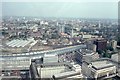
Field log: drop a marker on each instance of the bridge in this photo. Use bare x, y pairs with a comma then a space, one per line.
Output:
23, 60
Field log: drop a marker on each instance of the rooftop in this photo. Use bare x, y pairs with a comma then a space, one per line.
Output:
49, 55
66, 74
19, 42
102, 64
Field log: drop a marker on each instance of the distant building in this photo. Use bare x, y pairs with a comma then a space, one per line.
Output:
20, 42
86, 36
62, 29
99, 25
101, 44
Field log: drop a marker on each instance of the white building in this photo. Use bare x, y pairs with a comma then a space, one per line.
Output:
76, 67
50, 58
47, 70
22, 63
99, 69
86, 36
86, 55
91, 46
116, 61
114, 44
115, 57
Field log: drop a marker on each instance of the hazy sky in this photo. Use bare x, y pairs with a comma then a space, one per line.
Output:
61, 9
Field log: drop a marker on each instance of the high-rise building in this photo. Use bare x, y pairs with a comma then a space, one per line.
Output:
118, 36
99, 25
61, 29
114, 44
72, 32
101, 44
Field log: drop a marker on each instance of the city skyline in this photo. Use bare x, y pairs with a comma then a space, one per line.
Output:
59, 39
61, 9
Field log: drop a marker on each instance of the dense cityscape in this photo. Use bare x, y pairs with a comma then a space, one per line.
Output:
59, 48
54, 43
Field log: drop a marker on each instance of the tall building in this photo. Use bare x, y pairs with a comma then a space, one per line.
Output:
61, 29
91, 46
72, 32
99, 25
101, 44
118, 36
114, 44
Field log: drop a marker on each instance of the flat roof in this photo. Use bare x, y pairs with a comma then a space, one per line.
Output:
86, 52
101, 64
54, 64
66, 74
36, 66
18, 43
49, 55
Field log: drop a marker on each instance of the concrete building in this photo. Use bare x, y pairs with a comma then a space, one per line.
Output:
55, 71
19, 60
86, 55
50, 68
91, 46
101, 44
99, 69
61, 29
114, 44
86, 36
47, 70
68, 75
22, 63
115, 58
50, 58
76, 67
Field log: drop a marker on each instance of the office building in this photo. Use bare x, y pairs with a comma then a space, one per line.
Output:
19, 64
99, 69
55, 71
47, 70
91, 46
61, 29
50, 58
101, 44
114, 44
115, 58
68, 75
86, 55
